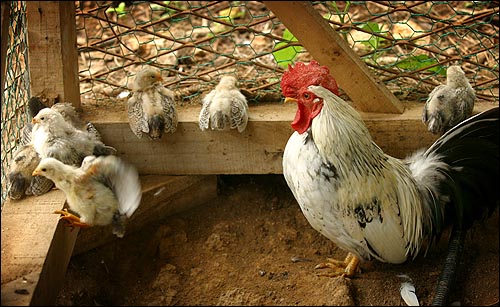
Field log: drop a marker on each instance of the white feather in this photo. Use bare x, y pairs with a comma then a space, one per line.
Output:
407, 290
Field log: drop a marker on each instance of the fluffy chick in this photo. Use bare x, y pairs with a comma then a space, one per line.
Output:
450, 103
52, 136
151, 108
224, 107
20, 180
102, 191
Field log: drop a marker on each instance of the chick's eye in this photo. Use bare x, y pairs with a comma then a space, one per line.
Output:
44, 169
42, 118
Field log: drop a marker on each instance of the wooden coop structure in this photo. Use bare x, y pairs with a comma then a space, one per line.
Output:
180, 171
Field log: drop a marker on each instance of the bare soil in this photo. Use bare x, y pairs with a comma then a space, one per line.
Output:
252, 246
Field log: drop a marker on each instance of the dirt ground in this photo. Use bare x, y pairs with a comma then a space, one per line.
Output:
252, 246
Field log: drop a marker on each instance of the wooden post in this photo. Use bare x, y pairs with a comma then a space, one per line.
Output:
328, 48
53, 55
4, 40
36, 249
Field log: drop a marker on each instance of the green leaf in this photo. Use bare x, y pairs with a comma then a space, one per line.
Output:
120, 10
374, 41
287, 55
421, 61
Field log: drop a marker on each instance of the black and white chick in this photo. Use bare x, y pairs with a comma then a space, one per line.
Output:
151, 108
225, 107
449, 104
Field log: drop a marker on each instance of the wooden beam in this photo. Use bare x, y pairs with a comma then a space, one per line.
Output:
328, 48
36, 249
258, 150
162, 196
5, 9
53, 55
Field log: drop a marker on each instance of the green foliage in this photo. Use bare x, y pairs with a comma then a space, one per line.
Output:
286, 56
419, 62
374, 41
338, 12
120, 10
168, 11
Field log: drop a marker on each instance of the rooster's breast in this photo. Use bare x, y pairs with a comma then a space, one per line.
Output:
313, 183
353, 217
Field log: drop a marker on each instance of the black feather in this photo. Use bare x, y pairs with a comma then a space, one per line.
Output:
470, 185
34, 106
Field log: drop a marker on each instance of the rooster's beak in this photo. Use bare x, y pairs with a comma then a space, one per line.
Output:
289, 99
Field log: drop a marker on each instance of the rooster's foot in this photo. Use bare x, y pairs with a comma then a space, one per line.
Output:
346, 268
72, 220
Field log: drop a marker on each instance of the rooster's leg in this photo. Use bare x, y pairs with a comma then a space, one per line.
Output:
73, 220
346, 268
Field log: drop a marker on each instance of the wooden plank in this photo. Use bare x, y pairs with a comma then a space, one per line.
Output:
328, 48
52, 50
5, 9
162, 196
258, 150
36, 249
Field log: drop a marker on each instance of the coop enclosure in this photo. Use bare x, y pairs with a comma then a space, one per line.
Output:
407, 45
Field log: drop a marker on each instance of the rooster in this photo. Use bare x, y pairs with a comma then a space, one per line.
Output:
371, 204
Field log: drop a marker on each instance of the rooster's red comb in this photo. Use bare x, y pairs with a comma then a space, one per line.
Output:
304, 75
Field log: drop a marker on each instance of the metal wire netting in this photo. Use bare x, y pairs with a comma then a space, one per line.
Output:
407, 44
16, 90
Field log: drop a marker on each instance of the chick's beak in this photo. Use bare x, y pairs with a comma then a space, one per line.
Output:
36, 172
290, 99
35, 121
159, 77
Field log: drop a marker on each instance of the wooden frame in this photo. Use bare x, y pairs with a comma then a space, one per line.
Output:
36, 248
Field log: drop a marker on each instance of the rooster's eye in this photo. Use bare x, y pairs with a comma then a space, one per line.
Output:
306, 96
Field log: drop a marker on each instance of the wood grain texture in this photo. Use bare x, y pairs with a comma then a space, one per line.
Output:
258, 150
328, 48
36, 249
53, 55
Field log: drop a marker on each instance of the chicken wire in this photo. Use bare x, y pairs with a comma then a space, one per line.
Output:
406, 44
16, 89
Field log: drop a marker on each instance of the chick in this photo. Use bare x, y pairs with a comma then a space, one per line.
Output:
102, 191
450, 103
20, 180
52, 136
151, 108
224, 107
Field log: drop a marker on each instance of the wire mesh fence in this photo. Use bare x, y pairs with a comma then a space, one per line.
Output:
16, 89
407, 44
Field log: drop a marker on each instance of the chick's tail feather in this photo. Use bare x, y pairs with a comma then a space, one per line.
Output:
458, 174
